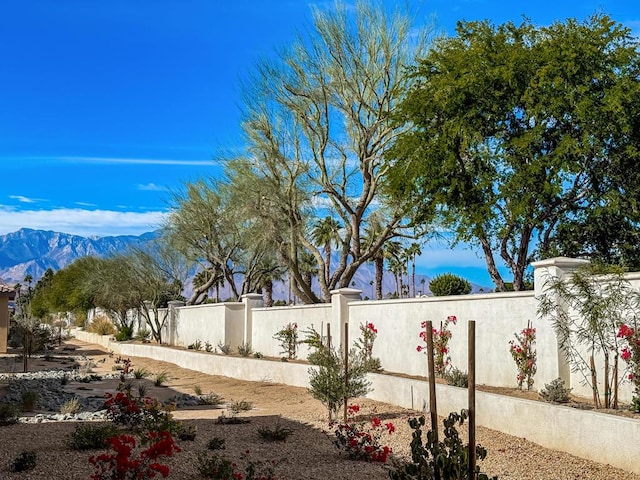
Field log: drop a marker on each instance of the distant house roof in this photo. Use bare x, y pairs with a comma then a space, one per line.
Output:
7, 290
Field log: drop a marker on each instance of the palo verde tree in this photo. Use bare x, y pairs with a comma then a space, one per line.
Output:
516, 129
587, 310
317, 121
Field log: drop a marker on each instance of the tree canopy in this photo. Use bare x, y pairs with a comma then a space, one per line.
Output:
518, 130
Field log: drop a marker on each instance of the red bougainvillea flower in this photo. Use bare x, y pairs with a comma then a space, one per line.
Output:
625, 331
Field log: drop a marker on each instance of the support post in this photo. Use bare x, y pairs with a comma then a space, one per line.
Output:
433, 407
471, 387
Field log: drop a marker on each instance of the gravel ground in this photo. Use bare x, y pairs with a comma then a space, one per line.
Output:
307, 454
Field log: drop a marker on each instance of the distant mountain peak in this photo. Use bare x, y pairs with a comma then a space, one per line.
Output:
32, 252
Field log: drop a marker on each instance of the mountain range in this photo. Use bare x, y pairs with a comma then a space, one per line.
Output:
32, 252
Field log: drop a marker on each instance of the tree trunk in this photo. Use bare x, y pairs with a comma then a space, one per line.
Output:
379, 276
491, 265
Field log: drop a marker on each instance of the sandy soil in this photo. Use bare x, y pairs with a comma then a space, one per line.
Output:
307, 454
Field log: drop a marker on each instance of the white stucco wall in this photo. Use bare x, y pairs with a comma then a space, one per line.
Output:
268, 321
214, 322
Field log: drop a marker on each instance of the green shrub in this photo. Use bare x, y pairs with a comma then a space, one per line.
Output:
224, 348
124, 333
216, 467
8, 414
556, 392
449, 284
238, 406
275, 434
102, 326
327, 381
213, 399
23, 462
197, 345
447, 459
216, 443
91, 437
457, 378
244, 349
29, 400
160, 379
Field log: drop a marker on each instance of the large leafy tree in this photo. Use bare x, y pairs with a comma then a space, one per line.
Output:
317, 120
517, 129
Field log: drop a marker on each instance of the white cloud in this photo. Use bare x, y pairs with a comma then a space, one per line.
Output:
136, 161
81, 221
23, 199
152, 187
84, 204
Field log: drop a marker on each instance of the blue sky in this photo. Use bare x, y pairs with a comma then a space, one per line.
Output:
107, 106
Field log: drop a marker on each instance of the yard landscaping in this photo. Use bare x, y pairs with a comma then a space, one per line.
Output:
306, 453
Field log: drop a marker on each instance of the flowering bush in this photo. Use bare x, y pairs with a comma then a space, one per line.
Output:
630, 353
523, 353
121, 465
361, 440
368, 334
217, 467
440, 345
288, 337
122, 409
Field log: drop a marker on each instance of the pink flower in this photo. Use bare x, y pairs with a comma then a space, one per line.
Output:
452, 318
625, 331
419, 348
626, 354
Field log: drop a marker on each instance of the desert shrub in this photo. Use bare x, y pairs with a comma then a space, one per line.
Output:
556, 392
71, 406
216, 443
8, 414
360, 440
327, 381
449, 284
23, 462
160, 379
208, 347
244, 349
141, 373
197, 389
91, 437
224, 348
29, 400
188, 433
212, 398
446, 459
288, 338
102, 325
124, 333
457, 378
197, 345
143, 334
276, 433
216, 467
238, 406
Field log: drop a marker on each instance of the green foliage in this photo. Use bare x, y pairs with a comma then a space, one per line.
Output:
216, 443
224, 347
124, 333
449, 284
91, 437
556, 392
327, 380
244, 349
29, 400
237, 406
587, 309
431, 458
141, 373
197, 345
276, 433
8, 414
212, 398
216, 467
288, 338
188, 433
24, 462
102, 325
516, 129
456, 377
160, 378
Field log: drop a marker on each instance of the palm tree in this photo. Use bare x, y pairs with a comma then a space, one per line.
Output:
325, 233
412, 251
